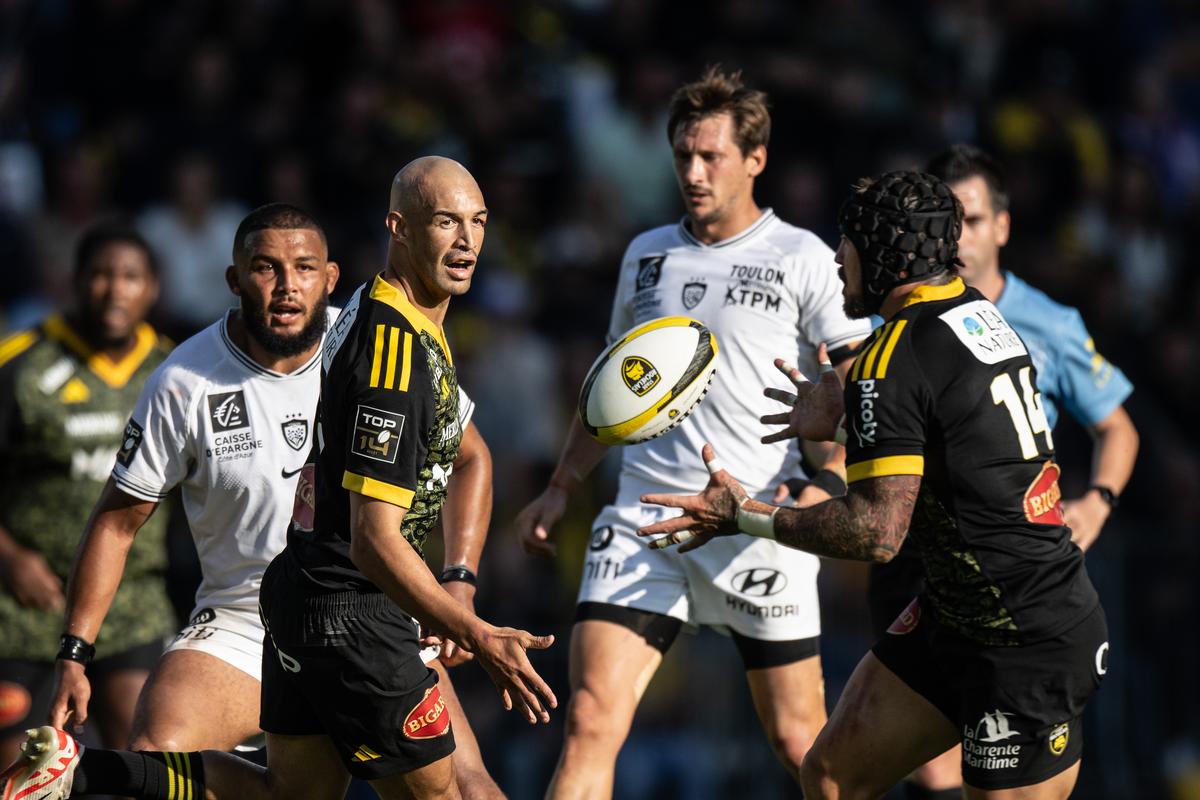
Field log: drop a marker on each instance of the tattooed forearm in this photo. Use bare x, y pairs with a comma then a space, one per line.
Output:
868, 524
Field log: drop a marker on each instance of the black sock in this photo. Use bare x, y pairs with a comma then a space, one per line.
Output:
152, 776
914, 792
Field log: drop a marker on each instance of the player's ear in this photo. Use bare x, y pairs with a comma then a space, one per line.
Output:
332, 273
395, 224
231, 280
1003, 228
756, 160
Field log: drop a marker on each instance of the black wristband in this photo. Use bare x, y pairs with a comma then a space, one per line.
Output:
72, 648
458, 573
1107, 495
830, 481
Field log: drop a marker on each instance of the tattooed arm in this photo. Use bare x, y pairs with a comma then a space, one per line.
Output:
868, 524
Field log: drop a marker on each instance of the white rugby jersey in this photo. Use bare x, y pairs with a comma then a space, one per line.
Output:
234, 435
769, 292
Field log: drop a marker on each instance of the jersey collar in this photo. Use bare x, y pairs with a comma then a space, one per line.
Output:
389, 295
243, 358
115, 373
928, 294
759, 224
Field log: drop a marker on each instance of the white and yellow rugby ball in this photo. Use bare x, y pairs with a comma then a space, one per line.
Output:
648, 381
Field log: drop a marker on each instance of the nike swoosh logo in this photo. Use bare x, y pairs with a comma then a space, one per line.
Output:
287, 474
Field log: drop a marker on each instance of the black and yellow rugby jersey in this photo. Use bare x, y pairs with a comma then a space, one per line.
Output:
947, 390
389, 429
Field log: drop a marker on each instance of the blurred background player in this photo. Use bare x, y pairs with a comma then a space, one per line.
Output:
1071, 375
345, 690
947, 447
66, 388
760, 285
229, 418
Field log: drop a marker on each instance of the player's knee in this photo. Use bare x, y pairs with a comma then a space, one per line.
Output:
816, 778
791, 740
157, 743
591, 719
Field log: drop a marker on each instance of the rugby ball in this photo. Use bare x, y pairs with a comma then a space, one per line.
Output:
648, 381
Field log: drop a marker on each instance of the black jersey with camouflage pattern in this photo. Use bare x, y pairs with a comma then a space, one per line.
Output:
388, 429
63, 409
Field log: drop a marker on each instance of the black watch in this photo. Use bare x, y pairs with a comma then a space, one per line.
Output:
72, 648
1107, 495
458, 573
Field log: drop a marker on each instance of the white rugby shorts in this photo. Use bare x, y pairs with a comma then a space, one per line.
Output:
230, 633
756, 587
235, 635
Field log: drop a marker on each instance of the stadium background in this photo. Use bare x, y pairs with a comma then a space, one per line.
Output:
184, 115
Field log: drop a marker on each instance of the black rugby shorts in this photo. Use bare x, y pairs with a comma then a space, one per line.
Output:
348, 666
1017, 709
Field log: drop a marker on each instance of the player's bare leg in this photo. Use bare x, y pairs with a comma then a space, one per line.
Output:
1057, 788
195, 701
116, 697
879, 732
610, 668
470, 773
300, 766
942, 773
790, 700
432, 782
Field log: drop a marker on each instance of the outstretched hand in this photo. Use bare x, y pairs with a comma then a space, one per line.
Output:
816, 408
711, 513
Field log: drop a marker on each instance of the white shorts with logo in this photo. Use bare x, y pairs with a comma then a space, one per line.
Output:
758, 588
235, 635
230, 633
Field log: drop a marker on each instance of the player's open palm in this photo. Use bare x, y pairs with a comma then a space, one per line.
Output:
711, 513
816, 408
72, 691
536, 521
501, 652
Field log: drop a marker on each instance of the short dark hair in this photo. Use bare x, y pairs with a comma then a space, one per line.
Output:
720, 92
963, 161
102, 235
274, 216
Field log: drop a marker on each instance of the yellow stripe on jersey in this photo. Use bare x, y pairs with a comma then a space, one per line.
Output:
928, 293
856, 370
406, 365
389, 380
389, 295
377, 357
379, 490
883, 467
16, 344
893, 338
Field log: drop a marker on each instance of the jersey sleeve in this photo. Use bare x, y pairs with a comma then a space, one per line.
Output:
466, 408
156, 449
388, 408
887, 405
1092, 388
822, 317
621, 318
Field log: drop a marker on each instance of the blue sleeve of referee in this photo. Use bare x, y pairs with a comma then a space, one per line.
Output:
1092, 388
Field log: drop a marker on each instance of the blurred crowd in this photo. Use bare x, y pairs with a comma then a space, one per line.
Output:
181, 116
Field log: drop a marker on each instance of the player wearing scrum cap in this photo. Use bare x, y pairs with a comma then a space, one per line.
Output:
947, 444
762, 287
